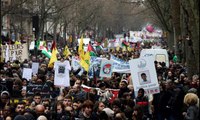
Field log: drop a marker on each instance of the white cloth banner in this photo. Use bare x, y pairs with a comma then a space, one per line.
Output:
61, 77
120, 66
144, 75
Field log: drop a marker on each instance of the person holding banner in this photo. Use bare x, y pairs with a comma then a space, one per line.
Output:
143, 102
104, 94
123, 88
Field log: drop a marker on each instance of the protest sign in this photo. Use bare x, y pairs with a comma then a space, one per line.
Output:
75, 63
144, 75
43, 89
27, 73
61, 77
15, 52
120, 66
106, 68
94, 66
35, 67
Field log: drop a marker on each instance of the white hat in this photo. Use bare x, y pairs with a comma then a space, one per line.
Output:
124, 80
5, 92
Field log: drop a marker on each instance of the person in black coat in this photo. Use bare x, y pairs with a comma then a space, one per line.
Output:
123, 88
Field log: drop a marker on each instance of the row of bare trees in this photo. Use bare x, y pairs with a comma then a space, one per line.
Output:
74, 15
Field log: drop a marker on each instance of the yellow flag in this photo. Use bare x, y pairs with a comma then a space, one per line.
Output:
66, 52
17, 42
129, 49
53, 58
124, 49
117, 48
80, 49
85, 63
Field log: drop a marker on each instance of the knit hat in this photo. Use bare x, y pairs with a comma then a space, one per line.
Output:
109, 112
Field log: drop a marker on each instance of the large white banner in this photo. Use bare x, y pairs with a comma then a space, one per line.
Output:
15, 52
119, 65
144, 75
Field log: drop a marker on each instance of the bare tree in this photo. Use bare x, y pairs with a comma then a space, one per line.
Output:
190, 34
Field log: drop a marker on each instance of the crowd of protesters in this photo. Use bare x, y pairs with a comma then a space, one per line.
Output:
178, 98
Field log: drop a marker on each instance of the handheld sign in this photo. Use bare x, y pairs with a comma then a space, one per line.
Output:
144, 75
27, 73
106, 68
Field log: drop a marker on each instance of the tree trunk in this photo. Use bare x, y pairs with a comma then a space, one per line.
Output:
64, 33
175, 12
170, 40
42, 22
55, 31
190, 11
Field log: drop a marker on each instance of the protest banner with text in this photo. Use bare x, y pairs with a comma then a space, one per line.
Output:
15, 52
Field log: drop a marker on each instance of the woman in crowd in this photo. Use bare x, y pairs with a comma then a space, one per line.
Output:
192, 113
143, 102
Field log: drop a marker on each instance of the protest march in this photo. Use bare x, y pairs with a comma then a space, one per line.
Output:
126, 80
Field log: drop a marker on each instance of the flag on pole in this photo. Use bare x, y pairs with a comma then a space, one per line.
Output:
17, 42
53, 58
53, 45
46, 52
80, 49
66, 52
37, 44
53, 55
85, 63
91, 50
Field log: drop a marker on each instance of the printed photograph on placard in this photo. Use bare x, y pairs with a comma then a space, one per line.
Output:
144, 77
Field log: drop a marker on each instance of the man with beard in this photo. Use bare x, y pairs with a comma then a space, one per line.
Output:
20, 108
